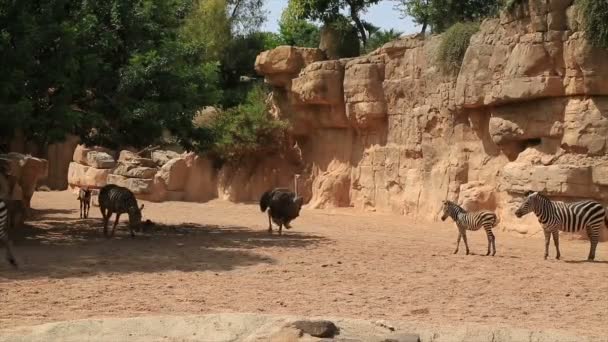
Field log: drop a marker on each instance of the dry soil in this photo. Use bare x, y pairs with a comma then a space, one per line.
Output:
218, 257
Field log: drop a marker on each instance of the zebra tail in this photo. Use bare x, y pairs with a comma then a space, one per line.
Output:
265, 201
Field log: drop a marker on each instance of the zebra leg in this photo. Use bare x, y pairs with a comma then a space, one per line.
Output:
593, 233
9, 252
281, 228
269, 222
81, 208
494, 244
106, 217
556, 242
490, 237
547, 241
464, 238
458, 242
115, 223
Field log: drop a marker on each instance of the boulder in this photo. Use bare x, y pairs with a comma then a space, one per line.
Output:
175, 174
100, 160
26, 171
81, 153
137, 185
161, 157
133, 170
317, 328
282, 63
85, 176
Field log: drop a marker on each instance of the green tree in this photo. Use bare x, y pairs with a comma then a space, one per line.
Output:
114, 72
244, 130
246, 16
329, 11
297, 32
207, 27
439, 15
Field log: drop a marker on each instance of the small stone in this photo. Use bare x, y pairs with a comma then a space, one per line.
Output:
320, 328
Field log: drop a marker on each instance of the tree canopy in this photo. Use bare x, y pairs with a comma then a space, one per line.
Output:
329, 11
114, 72
439, 15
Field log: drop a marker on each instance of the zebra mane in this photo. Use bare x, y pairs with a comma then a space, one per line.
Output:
454, 204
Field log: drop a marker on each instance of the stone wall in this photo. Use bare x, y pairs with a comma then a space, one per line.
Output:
390, 132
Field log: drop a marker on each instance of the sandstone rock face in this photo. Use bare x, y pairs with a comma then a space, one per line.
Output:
527, 111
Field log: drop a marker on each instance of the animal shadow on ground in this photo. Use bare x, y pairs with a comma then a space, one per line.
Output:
585, 262
54, 246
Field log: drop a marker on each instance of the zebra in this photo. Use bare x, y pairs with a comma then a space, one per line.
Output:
569, 217
119, 200
4, 219
84, 196
471, 221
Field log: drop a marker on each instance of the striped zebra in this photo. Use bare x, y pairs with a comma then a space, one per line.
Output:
4, 233
471, 221
84, 196
119, 200
568, 217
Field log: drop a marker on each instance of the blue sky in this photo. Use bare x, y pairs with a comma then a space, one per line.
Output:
382, 15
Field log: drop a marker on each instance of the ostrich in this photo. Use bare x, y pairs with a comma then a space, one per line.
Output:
283, 206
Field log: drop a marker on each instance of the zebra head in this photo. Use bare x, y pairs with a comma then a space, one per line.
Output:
135, 217
528, 205
445, 207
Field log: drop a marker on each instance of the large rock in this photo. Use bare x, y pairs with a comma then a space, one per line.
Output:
133, 170
161, 157
87, 177
100, 160
175, 174
283, 63
81, 154
26, 171
137, 185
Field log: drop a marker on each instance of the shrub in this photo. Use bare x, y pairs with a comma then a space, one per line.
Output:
454, 44
595, 21
510, 4
244, 130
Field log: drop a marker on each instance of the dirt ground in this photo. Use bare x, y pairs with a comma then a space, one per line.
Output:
218, 257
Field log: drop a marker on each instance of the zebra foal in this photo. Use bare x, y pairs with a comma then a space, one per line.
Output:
119, 200
568, 217
471, 221
84, 196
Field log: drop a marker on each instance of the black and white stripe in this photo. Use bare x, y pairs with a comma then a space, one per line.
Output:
471, 221
4, 219
119, 200
568, 217
84, 196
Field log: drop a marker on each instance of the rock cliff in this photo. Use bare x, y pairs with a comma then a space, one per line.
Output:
390, 132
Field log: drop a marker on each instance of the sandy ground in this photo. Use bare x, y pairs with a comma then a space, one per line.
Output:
218, 257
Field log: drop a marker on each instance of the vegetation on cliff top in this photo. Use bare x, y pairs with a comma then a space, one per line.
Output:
453, 46
595, 21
